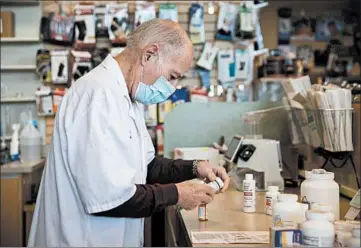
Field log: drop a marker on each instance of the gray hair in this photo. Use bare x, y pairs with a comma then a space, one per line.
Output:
168, 34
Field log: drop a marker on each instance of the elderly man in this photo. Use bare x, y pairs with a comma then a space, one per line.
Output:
101, 177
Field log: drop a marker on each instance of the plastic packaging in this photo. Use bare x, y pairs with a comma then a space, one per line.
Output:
30, 143
319, 187
271, 198
286, 212
249, 194
14, 145
318, 231
355, 241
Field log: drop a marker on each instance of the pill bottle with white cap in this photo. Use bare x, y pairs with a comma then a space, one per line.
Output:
271, 198
217, 186
249, 194
325, 208
318, 231
286, 211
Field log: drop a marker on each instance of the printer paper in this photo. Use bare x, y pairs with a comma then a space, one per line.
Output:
232, 237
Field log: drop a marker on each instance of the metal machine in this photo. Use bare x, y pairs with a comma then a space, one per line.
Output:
260, 157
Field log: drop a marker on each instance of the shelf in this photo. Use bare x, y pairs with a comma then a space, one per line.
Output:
18, 68
19, 40
261, 52
45, 115
6, 137
20, 2
18, 99
260, 5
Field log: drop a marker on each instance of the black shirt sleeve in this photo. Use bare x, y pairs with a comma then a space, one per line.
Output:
159, 192
164, 170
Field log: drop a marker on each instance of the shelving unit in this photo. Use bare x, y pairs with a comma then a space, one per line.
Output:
19, 40
18, 68
18, 99
20, 2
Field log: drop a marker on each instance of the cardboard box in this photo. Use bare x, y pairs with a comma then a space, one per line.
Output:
7, 24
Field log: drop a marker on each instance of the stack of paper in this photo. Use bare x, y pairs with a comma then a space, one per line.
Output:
232, 237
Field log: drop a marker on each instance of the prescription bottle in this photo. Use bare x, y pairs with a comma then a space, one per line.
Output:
286, 211
320, 187
355, 241
325, 208
271, 198
217, 185
318, 231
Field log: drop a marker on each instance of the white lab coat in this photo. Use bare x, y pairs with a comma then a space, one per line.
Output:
100, 149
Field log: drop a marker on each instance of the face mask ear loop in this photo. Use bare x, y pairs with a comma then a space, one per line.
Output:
142, 74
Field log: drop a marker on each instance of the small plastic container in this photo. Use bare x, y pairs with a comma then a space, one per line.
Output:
318, 231
30, 143
355, 241
271, 198
286, 212
217, 186
325, 208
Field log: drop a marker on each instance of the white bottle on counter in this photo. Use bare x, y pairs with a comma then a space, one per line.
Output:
271, 198
325, 208
249, 194
286, 212
30, 143
320, 187
318, 231
355, 241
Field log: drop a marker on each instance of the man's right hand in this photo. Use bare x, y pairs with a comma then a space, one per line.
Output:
191, 194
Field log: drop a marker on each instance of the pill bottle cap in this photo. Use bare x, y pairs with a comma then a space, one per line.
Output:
272, 188
317, 215
287, 198
220, 183
249, 176
321, 207
319, 174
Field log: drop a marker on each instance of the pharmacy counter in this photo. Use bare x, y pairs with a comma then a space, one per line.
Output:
224, 214
19, 187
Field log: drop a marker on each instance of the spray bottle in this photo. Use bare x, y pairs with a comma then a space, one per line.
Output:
14, 145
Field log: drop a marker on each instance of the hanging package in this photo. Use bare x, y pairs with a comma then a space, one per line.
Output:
205, 78
246, 22
84, 25
226, 68
284, 26
207, 57
59, 66
43, 65
117, 21
57, 29
144, 11
226, 21
168, 11
242, 60
81, 61
101, 28
196, 24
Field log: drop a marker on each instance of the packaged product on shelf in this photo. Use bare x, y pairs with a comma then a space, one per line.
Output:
168, 11
226, 68
163, 109
57, 29
150, 114
60, 66
58, 95
180, 96
243, 58
199, 95
101, 28
117, 21
196, 23
205, 78
284, 26
43, 65
84, 25
160, 140
81, 64
7, 24
226, 21
328, 28
246, 22
144, 11
44, 101
207, 57
302, 27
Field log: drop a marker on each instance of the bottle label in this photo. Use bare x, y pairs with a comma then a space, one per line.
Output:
317, 241
202, 212
269, 203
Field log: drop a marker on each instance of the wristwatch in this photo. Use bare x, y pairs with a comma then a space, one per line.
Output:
195, 165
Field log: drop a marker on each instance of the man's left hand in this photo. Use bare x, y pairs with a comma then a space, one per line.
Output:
210, 172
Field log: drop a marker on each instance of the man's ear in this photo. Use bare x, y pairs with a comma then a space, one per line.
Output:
150, 52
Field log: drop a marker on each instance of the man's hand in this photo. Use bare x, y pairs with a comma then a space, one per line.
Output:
210, 172
191, 194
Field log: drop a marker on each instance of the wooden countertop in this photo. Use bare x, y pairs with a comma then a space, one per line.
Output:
18, 167
225, 214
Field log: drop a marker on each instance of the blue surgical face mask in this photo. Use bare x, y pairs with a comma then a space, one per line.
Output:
158, 92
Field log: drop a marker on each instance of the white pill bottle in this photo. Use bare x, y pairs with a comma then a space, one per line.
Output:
271, 198
318, 231
286, 212
320, 187
249, 194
